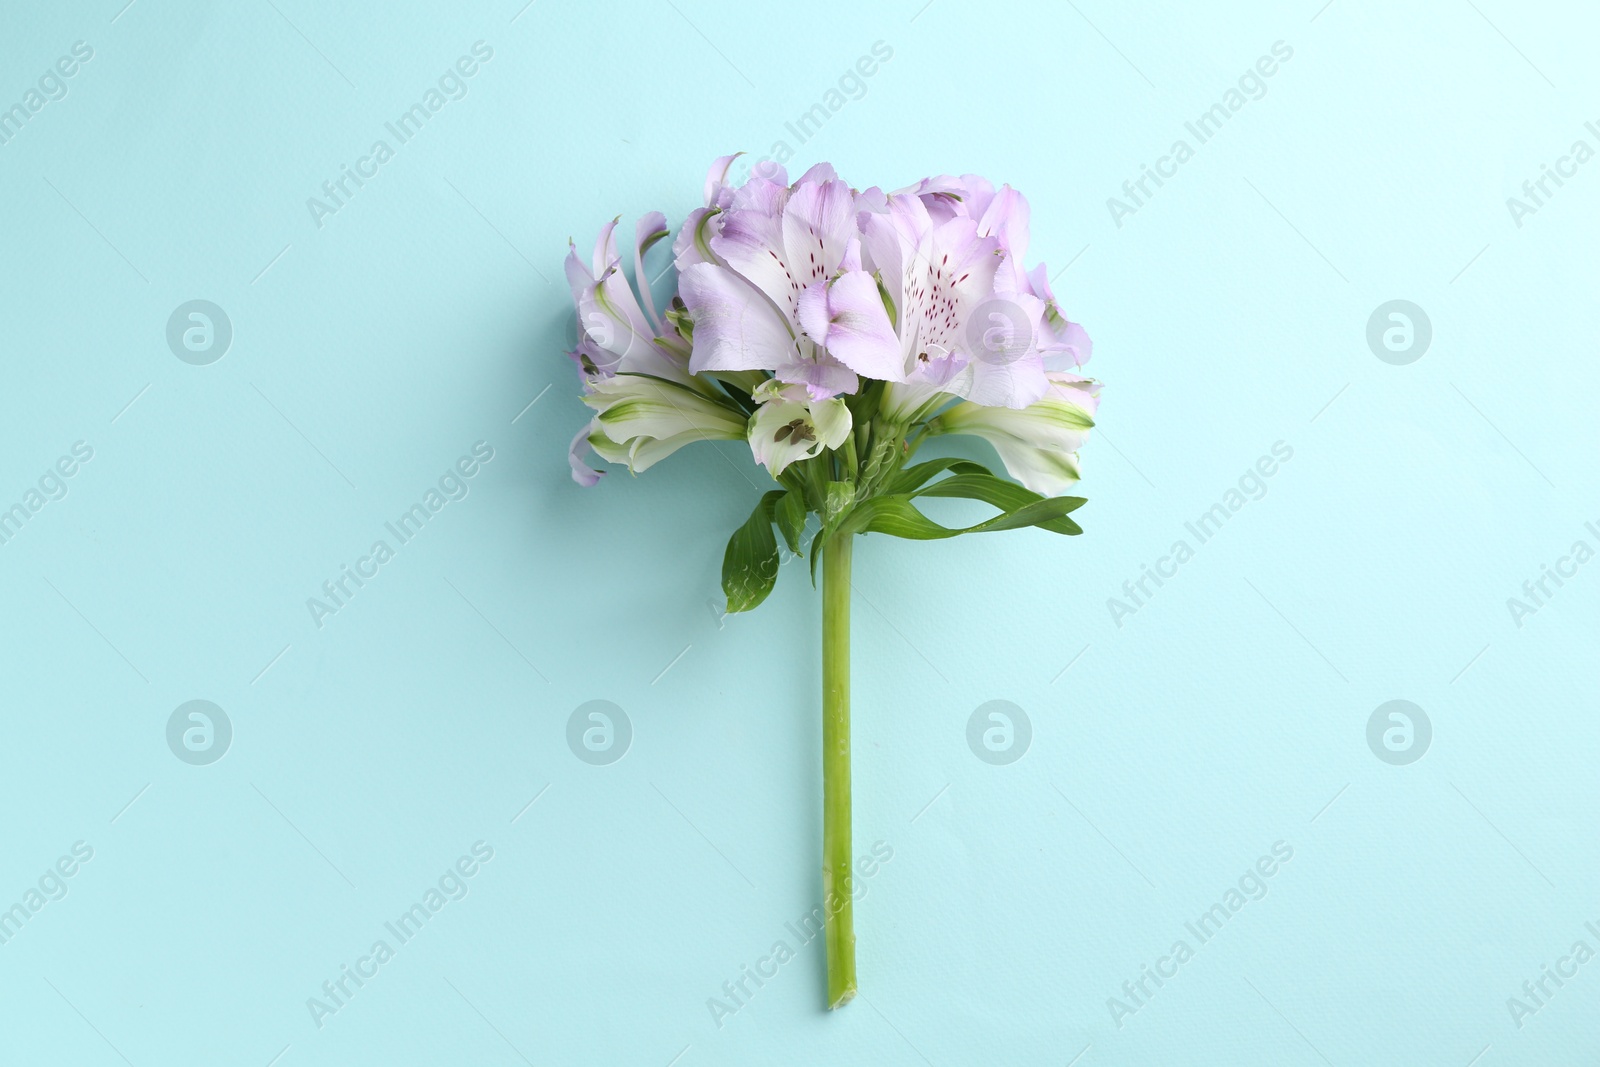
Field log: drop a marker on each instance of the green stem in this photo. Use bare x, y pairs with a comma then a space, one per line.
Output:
839, 930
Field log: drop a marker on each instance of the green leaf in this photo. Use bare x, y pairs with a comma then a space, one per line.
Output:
913, 478
750, 565
791, 516
899, 517
816, 543
1005, 495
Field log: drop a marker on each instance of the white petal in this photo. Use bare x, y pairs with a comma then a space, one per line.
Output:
632, 405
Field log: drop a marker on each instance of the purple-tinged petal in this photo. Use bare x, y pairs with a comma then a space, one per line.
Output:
945, 196
976, 193
717, 176
873, 200
760, 194
817, 175
593, 362
847, 317
851, 260
944, 285
578, 458
811, 312
1006, 218
821, 375
649, 229
1010, 385
735, 326
605, 247
579, 277
693, 244
610, 317
751, 243
818, 221
1065, 343
1071, 347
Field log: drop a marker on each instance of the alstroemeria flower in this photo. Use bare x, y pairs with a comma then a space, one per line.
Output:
789, 426
618, 334
785, 279
641, 420
940, 278
1038, 444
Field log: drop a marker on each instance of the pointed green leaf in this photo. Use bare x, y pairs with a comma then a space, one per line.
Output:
1003, 494
913, 478
750, 565
899, 517
791, 516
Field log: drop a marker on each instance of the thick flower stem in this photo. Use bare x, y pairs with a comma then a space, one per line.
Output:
839, 930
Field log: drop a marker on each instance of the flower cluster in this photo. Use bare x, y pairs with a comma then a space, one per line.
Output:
822, 323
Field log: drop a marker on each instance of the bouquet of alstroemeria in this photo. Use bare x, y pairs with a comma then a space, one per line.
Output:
835, 330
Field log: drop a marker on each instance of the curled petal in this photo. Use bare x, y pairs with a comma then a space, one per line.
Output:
717, 176
577, 457
605, 247
649, 229
693, 243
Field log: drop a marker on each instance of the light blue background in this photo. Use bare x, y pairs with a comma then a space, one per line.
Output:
1228, 714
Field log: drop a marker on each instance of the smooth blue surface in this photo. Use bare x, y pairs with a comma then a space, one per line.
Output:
1172, 747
